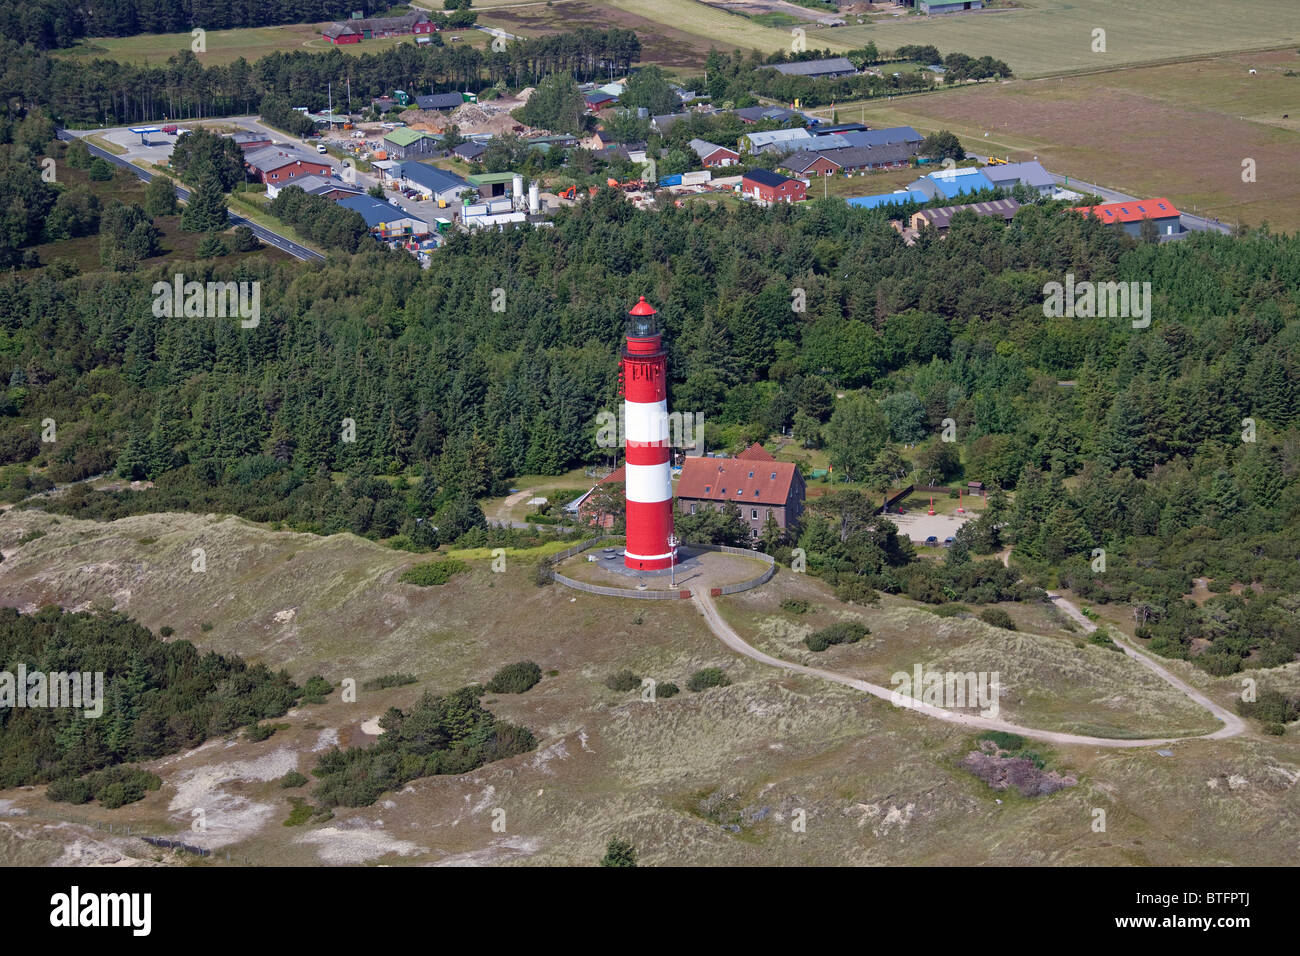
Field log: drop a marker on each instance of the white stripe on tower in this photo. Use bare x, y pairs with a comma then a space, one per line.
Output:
648, 483
646, 421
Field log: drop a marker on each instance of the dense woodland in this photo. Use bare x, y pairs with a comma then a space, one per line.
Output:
159, 697
47, 24
100, 91
1112, 437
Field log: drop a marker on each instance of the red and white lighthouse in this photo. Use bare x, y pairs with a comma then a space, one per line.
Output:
648, 483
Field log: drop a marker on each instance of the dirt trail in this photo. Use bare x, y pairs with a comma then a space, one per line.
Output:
1232, 724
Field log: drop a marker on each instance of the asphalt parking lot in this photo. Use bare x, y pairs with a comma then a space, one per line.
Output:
918, 525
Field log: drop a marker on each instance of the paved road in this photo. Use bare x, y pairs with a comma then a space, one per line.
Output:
1232, 725
266, 235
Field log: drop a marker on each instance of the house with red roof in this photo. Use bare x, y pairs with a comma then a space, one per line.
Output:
754, 481
1130, 213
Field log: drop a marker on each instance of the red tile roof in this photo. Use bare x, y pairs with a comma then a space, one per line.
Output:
1132, 211
756, 452
751, 481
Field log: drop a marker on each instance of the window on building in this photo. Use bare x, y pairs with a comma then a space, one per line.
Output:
753, 513
692, 509
724, 491
751, 474
774, 476
707, 489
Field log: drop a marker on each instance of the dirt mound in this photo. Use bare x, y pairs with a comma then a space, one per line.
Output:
469, 114
434, 121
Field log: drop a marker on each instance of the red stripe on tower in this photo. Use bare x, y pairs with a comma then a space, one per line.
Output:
648, 483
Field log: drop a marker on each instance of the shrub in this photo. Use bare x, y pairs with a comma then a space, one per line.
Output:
388, 680
707, 677
292, 779
314, 691
667, 689
205, 626
433, 573
795, 606
998, 618
259, 732
841, 632
101, 170
619, 852
166, 630
1003, 740
623, 681
114, 787
515, 678
948, 610
212, 246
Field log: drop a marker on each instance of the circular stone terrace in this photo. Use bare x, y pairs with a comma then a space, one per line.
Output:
698, 569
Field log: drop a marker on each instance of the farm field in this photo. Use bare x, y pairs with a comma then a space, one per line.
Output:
226, 46
1048, 38
1179, 130
676, 34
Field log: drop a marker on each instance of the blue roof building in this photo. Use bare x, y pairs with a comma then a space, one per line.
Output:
951, 183
439, 183
888, 199
384, 219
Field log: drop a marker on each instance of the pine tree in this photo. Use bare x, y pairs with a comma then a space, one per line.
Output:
206, 209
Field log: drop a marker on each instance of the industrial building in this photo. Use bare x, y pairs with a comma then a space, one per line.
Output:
1129, 214
941, 217
1031, 175
330, 187
430, 181
888, 199
407, 143
386, 221
951, 183
948, 6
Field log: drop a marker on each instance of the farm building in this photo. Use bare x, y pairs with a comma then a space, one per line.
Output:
775, 140
407, 143
712, 154
1130, 214
948, 6
1031, 175
279, 164
951, 183
818, 69
764, 186
354, 31
822, 129
888, 199
385, 220
941, 218
248, 141
805, 163
430, 181
330, 187
756, 484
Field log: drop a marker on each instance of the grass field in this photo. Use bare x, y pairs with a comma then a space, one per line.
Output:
1047, 37
1180, 130
226, 46
879, 785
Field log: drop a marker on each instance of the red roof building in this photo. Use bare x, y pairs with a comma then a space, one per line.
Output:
1131, 213
758, 485
768, 187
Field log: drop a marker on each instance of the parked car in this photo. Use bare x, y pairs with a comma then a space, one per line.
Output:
320, 148
932, 542
947, 542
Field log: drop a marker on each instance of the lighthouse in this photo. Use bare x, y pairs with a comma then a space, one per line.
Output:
649, 488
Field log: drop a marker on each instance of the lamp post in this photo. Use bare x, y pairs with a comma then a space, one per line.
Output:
672, 560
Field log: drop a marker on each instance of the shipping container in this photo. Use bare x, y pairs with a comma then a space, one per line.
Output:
697, 177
